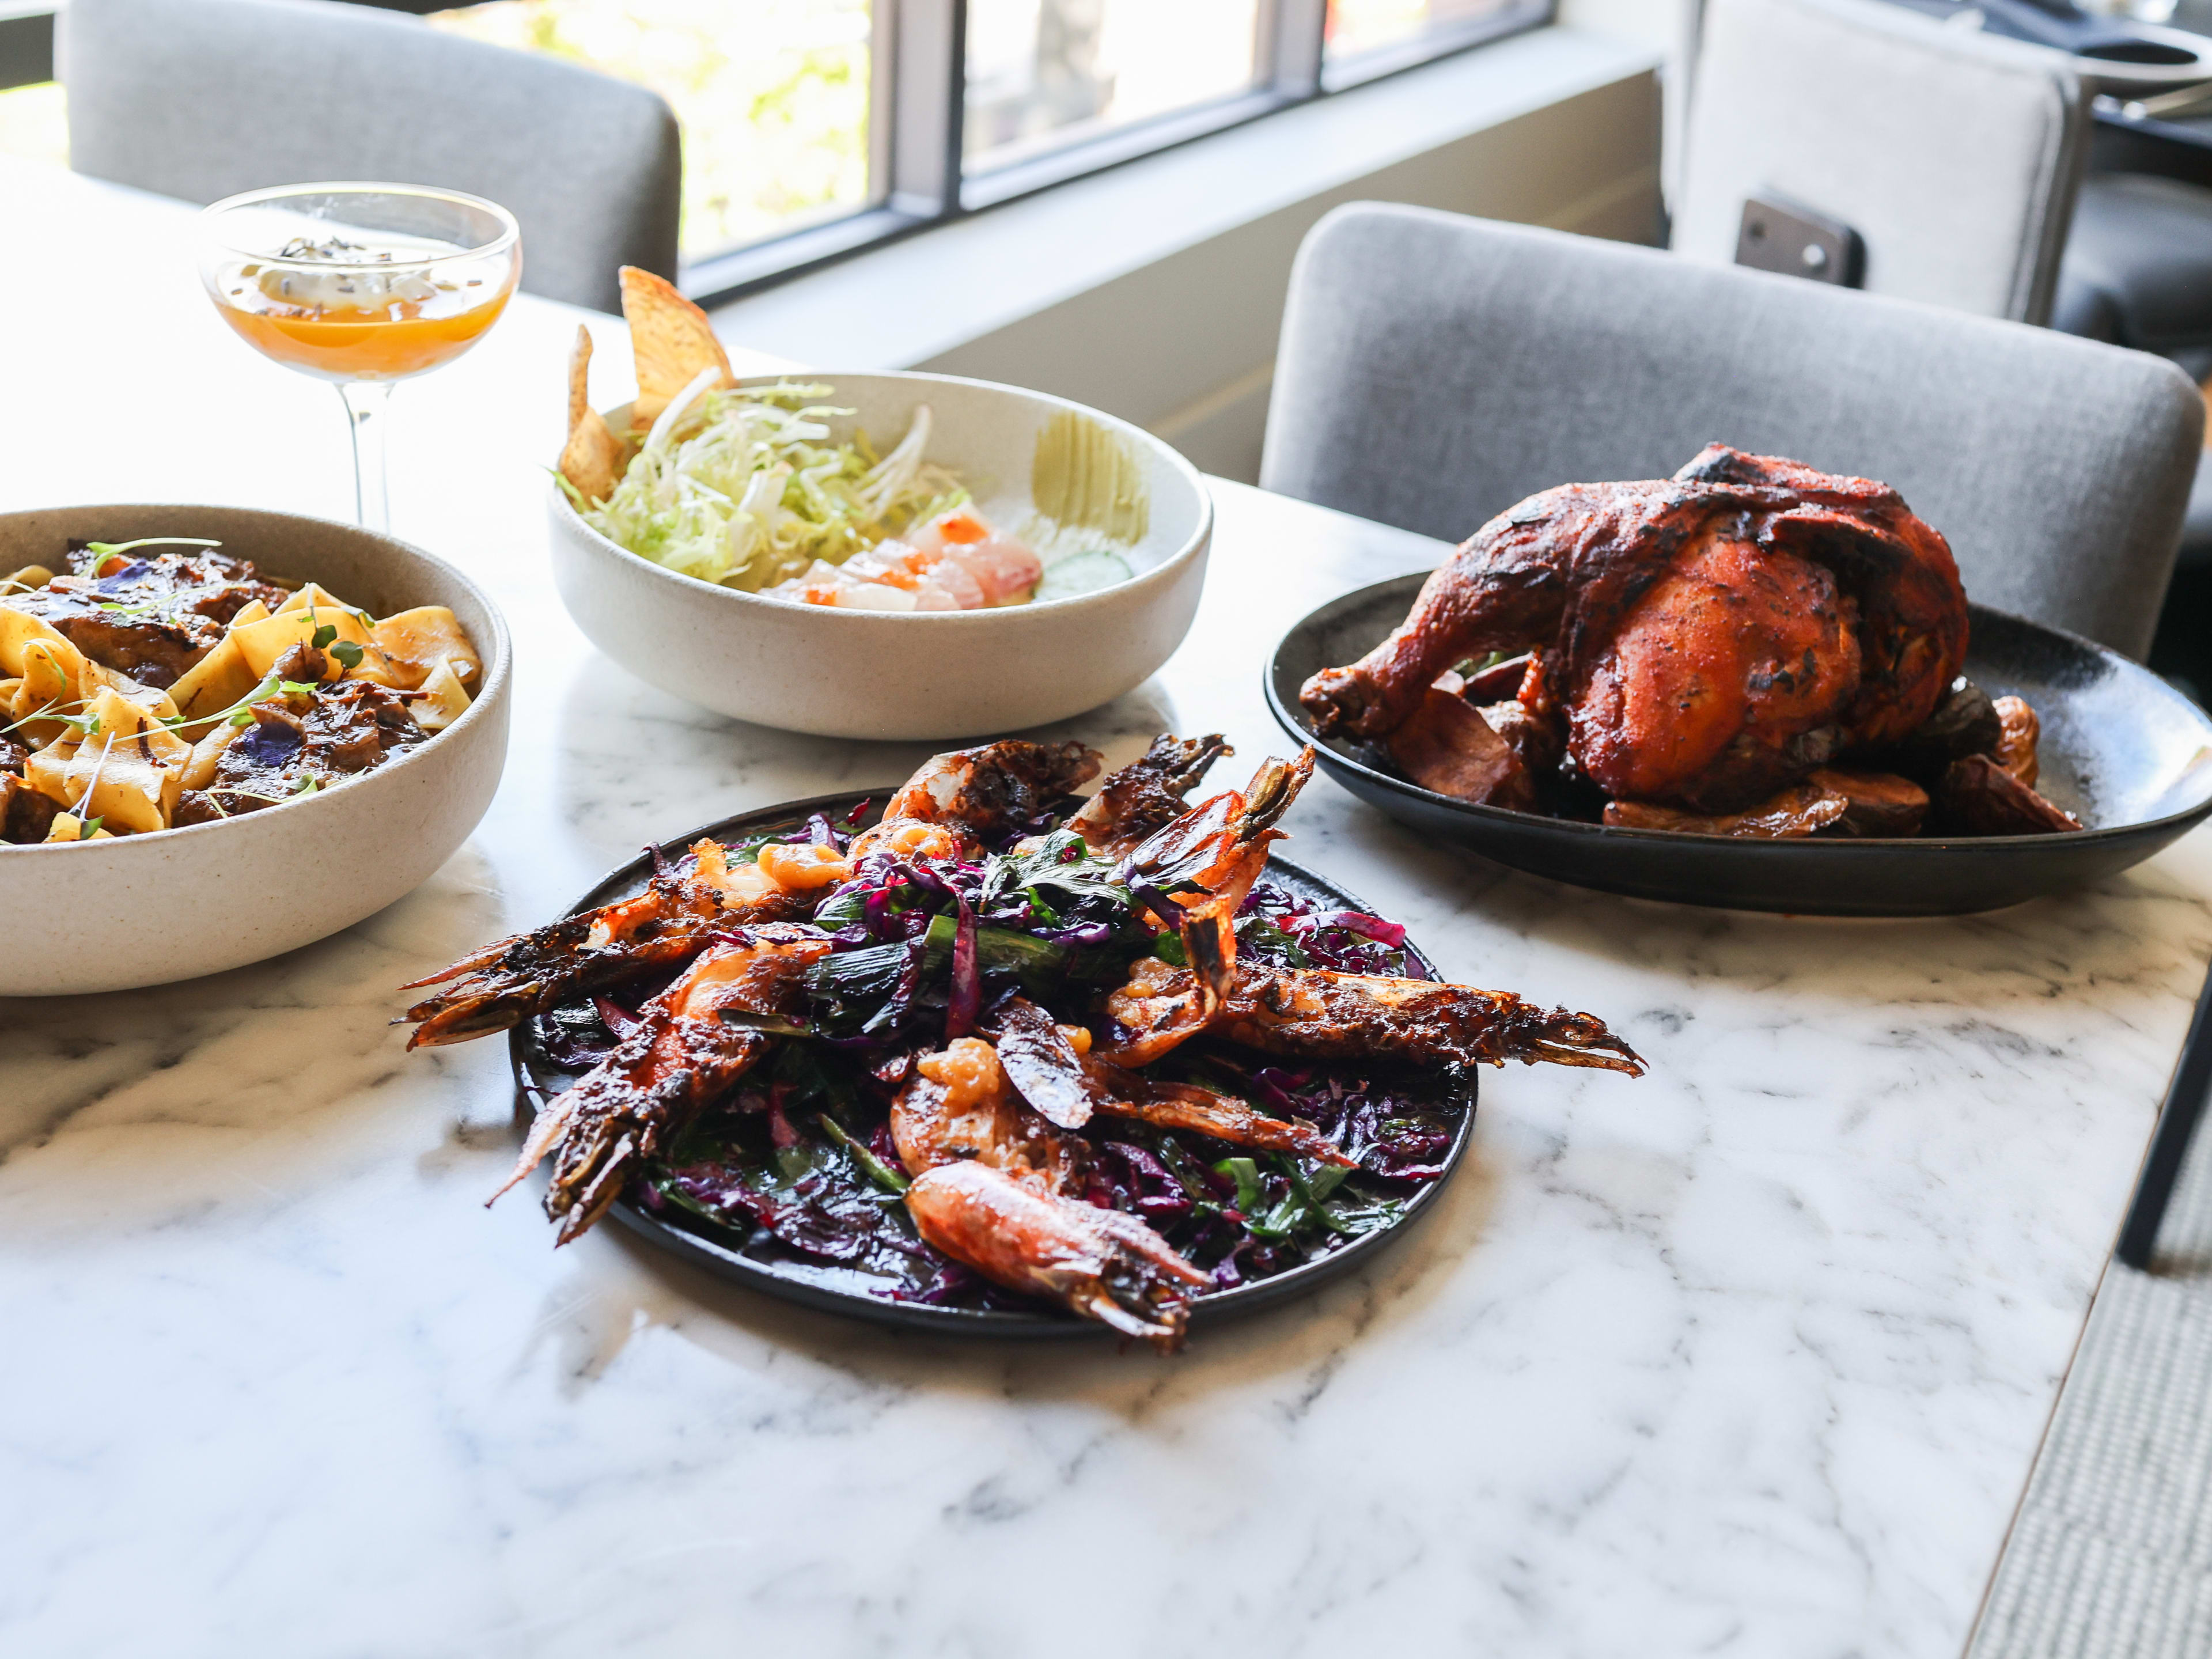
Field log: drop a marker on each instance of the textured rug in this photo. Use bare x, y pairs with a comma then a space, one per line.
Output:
2112, 1552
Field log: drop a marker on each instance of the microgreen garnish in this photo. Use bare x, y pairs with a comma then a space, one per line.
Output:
128, 609
36, 714
295, 688
325, 634
306, 786
239, 713
347, 652
84, 830
105, 548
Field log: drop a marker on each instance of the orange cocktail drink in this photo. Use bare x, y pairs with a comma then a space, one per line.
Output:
356, 321
361, 285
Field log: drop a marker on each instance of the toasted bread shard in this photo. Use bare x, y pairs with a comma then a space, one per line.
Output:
591, 461
670, 340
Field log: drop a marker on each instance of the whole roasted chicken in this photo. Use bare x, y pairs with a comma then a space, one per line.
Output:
1707, 638
1749, 647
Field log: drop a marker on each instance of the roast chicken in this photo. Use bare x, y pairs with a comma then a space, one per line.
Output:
1699, 644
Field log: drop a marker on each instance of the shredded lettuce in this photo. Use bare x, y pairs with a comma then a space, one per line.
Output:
746, 488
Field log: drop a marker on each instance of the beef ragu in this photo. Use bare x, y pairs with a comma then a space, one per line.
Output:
1751, 647
153, 616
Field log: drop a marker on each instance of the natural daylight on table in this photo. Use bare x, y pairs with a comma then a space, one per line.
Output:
1396, 808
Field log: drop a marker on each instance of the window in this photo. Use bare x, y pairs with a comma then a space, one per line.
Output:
1378, 35
814, 127
773, 96
1044, 75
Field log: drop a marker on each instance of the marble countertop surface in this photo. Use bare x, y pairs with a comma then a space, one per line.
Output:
1750, 1357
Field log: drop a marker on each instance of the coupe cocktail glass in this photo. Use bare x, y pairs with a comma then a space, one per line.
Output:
360, 284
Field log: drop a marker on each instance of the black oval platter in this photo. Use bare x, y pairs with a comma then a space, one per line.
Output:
846, 1291
2121, 750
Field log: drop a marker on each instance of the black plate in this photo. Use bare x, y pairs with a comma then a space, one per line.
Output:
847, 1291
2122, 750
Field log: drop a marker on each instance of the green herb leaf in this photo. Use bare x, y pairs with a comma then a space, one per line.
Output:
347, 652
90, 827
296, 688
323, 636
1169, 949
1059, 861
1282, 1221
842, 910
1318, 1180
1039, 962
306, 786
1185, 1169
1361, 1214
1246, 1174
877, 1170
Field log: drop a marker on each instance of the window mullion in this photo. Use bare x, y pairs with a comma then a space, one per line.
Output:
928, 88
1290, 45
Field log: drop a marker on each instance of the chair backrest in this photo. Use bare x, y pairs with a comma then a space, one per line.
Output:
1436, 369
1954, 153
202, 98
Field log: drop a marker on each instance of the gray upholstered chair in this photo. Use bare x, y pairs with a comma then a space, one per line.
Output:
202, 98
1955, 154
1435, 369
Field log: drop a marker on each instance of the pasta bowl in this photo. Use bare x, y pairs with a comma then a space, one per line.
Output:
835, 671
112, 914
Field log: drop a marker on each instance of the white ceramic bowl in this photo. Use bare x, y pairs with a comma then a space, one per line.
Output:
928, 675
106, 915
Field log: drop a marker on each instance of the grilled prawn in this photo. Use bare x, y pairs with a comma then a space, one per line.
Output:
691, 1042
972, 794
1216, 850
1147, 794
991, 1184
1315, 1013
508, 981
952, 799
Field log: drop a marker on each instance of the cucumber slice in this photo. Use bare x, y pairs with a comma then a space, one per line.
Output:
1082, 573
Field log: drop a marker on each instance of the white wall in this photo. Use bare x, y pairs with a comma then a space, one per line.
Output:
1667, 28
1156, 290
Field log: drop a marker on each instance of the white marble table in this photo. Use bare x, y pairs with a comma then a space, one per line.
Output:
1751, 1357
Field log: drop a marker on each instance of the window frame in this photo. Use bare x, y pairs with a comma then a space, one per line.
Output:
918, 173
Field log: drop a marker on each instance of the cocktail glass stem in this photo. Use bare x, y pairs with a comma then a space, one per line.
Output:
364, 402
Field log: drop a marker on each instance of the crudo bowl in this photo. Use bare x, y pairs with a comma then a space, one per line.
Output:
146, 909
928, 675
